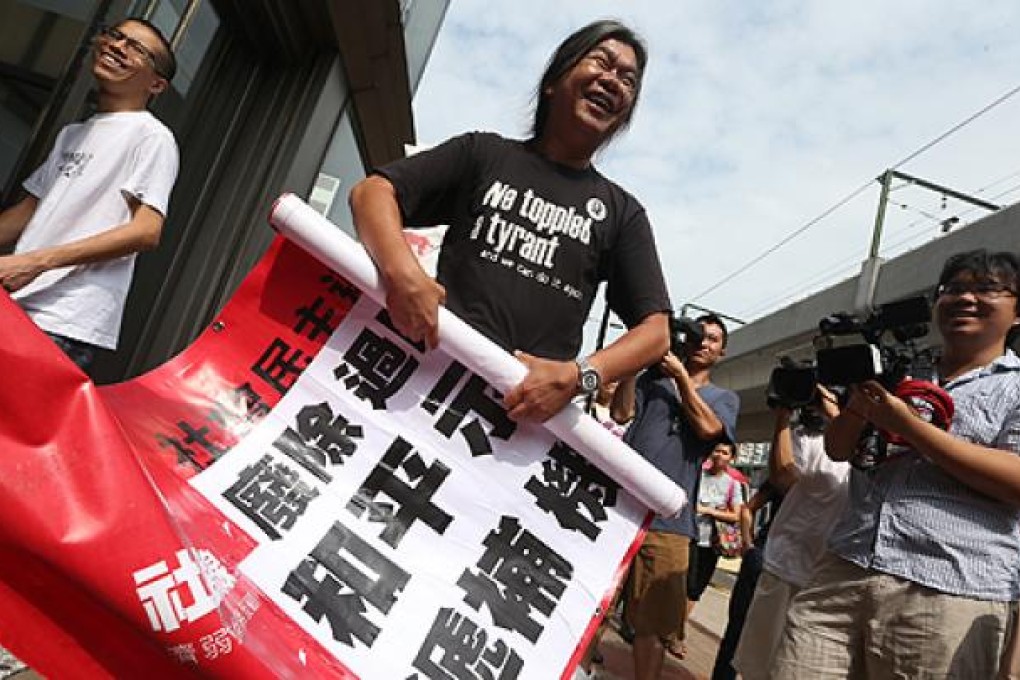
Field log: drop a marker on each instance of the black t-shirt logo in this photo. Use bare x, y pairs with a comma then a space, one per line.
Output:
596, 209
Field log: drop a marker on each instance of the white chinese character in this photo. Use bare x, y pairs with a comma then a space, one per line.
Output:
155, 590
219, 578
202, 601
160, 591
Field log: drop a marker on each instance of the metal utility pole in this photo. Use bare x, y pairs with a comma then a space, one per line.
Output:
868, 279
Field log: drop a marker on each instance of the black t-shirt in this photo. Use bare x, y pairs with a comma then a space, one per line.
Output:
529, 241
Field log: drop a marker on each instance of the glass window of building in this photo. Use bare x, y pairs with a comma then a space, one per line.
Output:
38, 39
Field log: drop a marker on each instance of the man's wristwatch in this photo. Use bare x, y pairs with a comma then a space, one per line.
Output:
588, 378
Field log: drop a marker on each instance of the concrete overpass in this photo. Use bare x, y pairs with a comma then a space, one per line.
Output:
754, 349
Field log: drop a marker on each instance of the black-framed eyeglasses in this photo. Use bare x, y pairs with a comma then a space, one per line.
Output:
988, 290
135, 48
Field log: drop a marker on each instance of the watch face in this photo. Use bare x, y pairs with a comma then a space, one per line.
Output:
589, 382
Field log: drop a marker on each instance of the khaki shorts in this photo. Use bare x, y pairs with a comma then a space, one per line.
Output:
851, 622
763, 627
658, 585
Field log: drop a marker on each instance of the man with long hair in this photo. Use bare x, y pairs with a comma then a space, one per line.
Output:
534, 228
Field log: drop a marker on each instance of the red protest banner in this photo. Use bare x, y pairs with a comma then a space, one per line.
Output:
115, 564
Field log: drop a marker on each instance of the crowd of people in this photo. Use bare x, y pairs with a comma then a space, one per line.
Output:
905, 568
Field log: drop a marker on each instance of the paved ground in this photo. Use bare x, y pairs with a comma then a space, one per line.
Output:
704, 631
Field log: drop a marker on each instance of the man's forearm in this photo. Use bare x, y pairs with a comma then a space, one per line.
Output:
133, 237
842, 434
380, 228
782, 468
993, 472
696, 412
141, 233
14, 220
642, 345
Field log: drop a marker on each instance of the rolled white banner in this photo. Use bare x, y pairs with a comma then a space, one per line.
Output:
300, 223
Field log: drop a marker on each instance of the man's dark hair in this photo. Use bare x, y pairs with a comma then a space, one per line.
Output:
1003, 266
715, 321
572, 50
166, 62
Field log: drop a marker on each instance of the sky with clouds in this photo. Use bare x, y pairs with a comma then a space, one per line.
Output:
757, 118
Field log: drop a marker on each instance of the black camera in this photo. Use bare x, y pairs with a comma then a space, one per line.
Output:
878, 357
791, 384
684, 331
874, 357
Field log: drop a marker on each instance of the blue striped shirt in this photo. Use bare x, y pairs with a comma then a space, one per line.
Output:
911, 519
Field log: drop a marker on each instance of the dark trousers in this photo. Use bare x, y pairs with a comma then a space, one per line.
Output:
699, 573
81, 353
740, 601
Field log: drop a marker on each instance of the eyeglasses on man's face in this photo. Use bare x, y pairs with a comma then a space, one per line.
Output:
134, 48
986, 290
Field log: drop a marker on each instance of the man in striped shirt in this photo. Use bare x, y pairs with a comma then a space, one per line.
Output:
922, 566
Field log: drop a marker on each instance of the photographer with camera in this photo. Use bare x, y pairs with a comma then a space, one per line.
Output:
678, 417
922, 565
814, 488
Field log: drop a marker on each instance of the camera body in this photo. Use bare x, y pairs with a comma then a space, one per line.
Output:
878, 357
870, 355
882, 346
684, 331
791, 384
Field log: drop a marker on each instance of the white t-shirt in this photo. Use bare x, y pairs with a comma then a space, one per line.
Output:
721, 492
82, 190
809, 510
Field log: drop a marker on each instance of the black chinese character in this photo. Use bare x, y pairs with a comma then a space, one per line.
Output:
341, 289
316, 319
415, 501
321, 439
375, 368
343, 590
476, 395
518, 573
466, 654
271, 495
280, 367
200, 436
570, 484
199, 460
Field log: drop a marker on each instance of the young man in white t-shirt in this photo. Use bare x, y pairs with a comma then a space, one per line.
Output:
100, 197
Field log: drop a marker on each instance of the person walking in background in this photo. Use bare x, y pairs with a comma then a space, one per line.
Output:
720, 503
757, 512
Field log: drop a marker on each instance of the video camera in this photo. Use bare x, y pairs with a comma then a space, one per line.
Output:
684, 331
876, 358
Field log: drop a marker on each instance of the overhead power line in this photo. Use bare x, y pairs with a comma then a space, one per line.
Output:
837, 271
854, 194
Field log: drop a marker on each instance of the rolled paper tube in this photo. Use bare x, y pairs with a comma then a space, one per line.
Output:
300, 223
